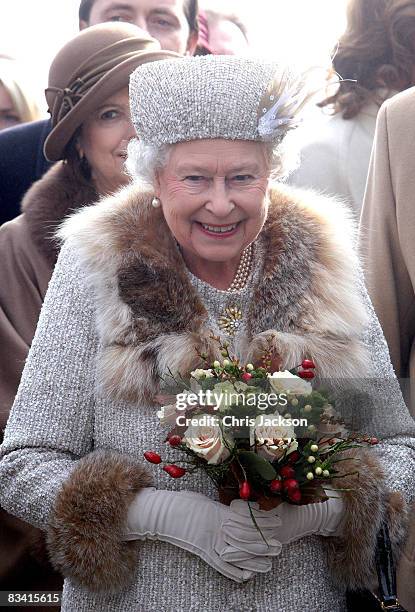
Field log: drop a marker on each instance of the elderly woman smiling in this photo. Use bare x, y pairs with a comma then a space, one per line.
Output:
203, 242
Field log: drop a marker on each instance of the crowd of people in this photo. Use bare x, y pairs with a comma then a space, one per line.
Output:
160, 194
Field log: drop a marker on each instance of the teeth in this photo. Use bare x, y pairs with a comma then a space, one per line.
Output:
219, 230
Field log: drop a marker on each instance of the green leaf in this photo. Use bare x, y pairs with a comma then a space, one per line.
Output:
254, 463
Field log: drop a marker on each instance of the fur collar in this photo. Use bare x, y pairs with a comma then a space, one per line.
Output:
150, 318
49, 201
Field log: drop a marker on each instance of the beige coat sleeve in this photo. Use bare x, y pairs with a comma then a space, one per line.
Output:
23, 280
387, 230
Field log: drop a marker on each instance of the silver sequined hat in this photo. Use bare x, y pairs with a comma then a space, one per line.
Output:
214, 96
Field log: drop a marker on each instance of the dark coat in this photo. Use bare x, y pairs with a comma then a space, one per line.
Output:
21, 163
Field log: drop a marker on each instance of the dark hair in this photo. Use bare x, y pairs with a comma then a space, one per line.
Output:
376, 50
190, 8
80, 166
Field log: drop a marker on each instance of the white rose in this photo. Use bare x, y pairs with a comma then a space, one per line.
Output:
200, 374
273, 440
285, 382
206, 440
167, 414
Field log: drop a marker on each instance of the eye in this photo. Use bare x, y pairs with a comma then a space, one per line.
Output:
109, 114
242, 178
120, 18
161, 22
194, 178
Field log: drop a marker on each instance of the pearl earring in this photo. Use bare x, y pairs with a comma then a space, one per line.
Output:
155, 203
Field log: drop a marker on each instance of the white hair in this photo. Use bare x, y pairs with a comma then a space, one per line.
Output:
144, 160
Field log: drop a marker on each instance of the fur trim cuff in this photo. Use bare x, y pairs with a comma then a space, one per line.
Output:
368, 504
85, 531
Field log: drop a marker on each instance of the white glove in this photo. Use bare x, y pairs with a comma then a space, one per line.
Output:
325, 518
199, 525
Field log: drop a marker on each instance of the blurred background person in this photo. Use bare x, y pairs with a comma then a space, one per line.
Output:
221, 33
91, 127
173, 22
377, 54
387, 231
17, 103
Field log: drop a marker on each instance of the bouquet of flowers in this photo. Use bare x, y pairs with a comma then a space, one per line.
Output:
259, 435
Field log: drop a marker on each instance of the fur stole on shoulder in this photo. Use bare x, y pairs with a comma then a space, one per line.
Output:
150, 317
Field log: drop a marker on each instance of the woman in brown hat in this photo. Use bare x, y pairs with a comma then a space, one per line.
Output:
88, 101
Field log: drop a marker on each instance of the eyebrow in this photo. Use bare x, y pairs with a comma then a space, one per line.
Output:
248, 167
119, 6
110, 105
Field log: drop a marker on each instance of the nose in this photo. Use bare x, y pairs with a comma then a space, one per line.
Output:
219, 201
141, 22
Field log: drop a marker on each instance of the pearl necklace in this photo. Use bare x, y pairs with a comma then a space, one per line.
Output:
242, 272
231, 318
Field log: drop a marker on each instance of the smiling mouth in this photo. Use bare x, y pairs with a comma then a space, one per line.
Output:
218, 230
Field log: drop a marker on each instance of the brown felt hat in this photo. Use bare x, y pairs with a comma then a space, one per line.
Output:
89, 69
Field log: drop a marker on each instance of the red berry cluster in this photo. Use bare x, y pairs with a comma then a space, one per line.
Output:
307, 371
175, 471
287, 483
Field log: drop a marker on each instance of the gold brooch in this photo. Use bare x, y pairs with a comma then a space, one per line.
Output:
231, 320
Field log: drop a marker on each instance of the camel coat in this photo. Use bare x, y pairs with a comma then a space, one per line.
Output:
28, 253
387, 229
387, 242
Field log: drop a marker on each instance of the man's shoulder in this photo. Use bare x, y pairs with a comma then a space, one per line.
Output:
27, 135
21, 163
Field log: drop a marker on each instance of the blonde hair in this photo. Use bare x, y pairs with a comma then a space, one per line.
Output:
23, 101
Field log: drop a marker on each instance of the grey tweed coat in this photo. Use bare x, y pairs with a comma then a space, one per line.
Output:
120, 309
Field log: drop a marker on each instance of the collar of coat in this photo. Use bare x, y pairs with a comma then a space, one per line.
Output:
150, 319
49, 200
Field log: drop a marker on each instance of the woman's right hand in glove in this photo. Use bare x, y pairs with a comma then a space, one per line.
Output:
200, 525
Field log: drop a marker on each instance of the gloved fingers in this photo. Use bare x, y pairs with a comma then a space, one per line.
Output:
246, 560
248, 534
271, 548
211, 556
264, 522
257, 565
229, 570
241, 514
